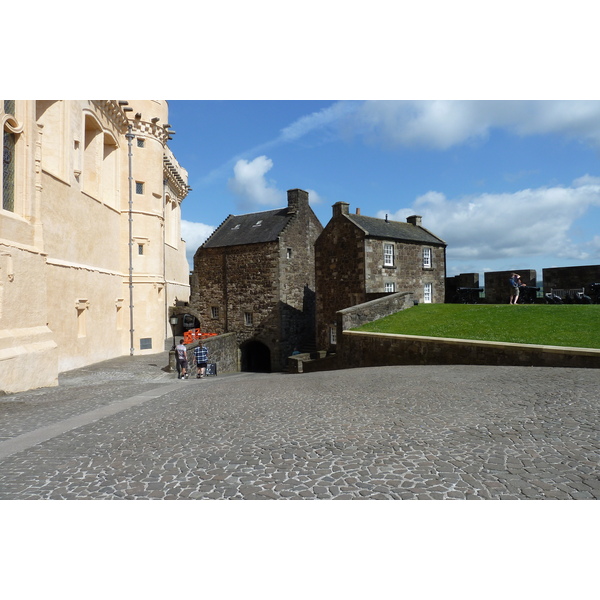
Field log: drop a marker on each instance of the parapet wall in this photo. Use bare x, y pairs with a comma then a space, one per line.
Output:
362, 349
358, 315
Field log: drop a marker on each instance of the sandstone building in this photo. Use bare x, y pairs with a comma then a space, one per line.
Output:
255, 276
359, 258
91, 255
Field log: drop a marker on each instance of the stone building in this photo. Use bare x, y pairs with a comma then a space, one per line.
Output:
255, 276
359, 258
91, 255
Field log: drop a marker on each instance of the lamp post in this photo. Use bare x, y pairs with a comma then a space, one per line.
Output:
173, 321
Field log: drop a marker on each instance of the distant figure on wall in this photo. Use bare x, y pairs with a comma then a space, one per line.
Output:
514, 282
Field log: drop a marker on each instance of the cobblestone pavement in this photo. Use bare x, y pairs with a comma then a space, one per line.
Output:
126, 429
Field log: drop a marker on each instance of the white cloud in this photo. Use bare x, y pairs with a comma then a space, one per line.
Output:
194, 234
250, 185
442, 124
527, 223
314, 198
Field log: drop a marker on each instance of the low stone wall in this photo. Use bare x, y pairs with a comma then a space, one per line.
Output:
362, 349
222, 350
358, 315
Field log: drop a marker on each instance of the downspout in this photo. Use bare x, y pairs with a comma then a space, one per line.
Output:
164, 249
130, 137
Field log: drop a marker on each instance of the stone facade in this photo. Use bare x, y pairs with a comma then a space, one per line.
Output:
567, 278
255, 276
68, 297
358, 259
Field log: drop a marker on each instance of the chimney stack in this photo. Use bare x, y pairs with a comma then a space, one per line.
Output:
341, 208
358, 211
296, 198
414, 220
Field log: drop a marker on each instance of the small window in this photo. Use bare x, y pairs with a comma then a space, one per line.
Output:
248, 319
257, 224
427, 258
141, 142
332, 335
139, 187
289, 253
427, 293
236, 227
140, 249
214, 312
388, 255
390, 287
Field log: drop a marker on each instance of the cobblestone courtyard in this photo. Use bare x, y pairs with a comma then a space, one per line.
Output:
124, 429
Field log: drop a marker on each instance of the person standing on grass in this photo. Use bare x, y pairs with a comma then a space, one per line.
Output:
181, 357
514, 283
201, 357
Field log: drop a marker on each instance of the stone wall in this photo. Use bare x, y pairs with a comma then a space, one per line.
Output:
362, 349
570, 277
233, 281
340, 274
464, 280
222, 350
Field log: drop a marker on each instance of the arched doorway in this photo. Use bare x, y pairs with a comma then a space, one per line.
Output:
256, 357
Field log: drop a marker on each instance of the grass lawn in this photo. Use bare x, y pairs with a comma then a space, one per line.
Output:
575, 325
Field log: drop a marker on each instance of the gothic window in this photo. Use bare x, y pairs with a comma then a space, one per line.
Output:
50, 115
92, 156
8, 171
9, 145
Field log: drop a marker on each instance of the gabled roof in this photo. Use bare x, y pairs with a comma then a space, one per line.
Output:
254, 228
396, 230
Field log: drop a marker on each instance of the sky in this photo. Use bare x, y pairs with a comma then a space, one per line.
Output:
508, 184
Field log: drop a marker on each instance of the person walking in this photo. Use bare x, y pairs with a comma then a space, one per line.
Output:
514, 283
181, 357
201, 358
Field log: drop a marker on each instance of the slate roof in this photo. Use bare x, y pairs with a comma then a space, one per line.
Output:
397, 230
254, 228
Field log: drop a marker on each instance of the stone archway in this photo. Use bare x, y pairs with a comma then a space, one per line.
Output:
256, 357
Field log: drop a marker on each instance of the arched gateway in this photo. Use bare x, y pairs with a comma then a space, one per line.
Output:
256, 357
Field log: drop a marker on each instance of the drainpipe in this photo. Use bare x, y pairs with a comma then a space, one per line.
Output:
129, 136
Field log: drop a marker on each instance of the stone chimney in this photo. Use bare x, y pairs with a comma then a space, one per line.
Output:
341, 208
358, 211
414, 220
296, 199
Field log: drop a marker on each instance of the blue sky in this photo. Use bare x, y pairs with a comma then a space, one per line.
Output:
507, 184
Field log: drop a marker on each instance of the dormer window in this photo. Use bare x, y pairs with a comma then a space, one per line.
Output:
257, 224
235, 227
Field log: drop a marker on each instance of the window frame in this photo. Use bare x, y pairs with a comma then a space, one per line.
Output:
427, 258
389, 258
428, 293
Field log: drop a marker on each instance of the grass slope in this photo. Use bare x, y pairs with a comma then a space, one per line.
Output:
574, 325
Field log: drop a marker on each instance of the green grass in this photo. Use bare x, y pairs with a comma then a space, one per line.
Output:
574, 325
